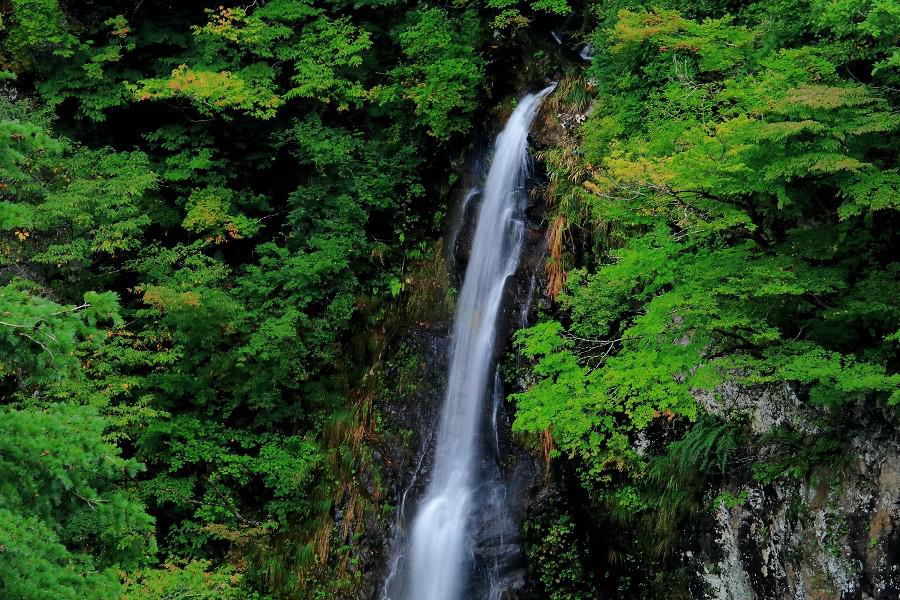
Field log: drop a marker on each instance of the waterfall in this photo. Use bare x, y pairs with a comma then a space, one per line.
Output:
460, 220
439, 550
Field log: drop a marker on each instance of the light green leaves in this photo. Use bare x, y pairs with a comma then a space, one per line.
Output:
729, 206
38, 337
250, 90
58, 492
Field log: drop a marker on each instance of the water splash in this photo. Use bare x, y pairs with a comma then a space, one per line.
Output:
400, 520
460, 220
497, 397
587, 53
529, 300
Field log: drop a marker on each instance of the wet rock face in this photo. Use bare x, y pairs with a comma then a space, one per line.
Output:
415, 385
766, 407
834, 536
499, 562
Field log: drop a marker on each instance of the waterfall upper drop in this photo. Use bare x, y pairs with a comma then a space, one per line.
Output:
438, 557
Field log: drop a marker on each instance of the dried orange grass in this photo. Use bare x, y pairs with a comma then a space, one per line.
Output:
547, 447
556, 274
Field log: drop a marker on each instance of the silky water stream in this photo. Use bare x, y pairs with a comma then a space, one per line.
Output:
436, 562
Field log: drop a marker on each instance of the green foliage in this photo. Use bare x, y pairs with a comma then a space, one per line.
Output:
20, 137
203, 210
38, 337
442, 74
58, 498
729, 500
249, 90
724, 219
30, 27
206, 212
557, 554
675, 481
794, 454
35, 564
64, 205
196, 579
750, 189
705, 449
517, 14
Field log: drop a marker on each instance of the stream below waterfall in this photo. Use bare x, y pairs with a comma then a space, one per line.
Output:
465, 491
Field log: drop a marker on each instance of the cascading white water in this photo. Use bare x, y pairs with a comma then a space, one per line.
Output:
439, 546
460, 220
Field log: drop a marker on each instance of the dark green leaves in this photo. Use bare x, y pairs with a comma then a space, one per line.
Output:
442, 73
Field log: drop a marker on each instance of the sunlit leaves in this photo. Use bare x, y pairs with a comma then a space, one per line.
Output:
210, 212
873, 191
199, 579
325, 56
250, 90
715, 44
